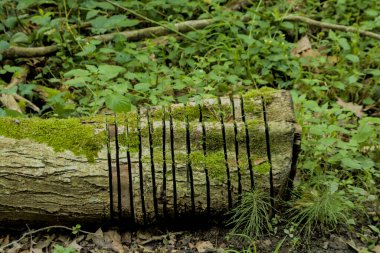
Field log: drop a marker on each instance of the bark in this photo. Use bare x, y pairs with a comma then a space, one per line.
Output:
41, 183
29, 52
312, 22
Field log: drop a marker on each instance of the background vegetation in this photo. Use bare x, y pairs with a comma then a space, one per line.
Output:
334, 77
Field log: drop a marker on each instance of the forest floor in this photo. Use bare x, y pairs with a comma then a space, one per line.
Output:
213, 239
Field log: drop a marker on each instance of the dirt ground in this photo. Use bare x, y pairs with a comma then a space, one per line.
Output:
212, 239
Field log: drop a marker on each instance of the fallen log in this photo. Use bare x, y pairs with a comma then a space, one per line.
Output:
154, 164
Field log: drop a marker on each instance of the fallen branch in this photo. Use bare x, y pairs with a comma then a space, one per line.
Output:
160, 237
344, 28
9, 100
28, 102
182, 27
28, 52
156, 31
134, 35
40, 230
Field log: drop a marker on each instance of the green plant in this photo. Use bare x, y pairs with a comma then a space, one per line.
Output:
320, 208
251, 216
61, 249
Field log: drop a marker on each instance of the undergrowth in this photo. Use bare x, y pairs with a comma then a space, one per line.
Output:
335, 82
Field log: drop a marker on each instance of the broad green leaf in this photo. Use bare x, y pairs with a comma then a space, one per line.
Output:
20, 37
77, 73
88, 49
91, 14
108, 72
92, 68
118, 103
99, 22
10, 22
80, 81
12, 69
371, 13
3, 45
375, 72
143, 87
344, 43
10, 91
351, 163
105, 6
246, 39
24, 4
287, 25
26, 89
352, 58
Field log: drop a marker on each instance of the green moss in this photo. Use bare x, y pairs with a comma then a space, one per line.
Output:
254, 123
265, 92
60, 134
181, 112
262, 168
214, 162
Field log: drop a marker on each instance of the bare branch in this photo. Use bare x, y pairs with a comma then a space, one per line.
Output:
313, 22
156, 31
29, 103
40, 230
29, 52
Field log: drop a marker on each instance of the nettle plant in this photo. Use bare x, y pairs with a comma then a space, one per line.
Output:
335, 142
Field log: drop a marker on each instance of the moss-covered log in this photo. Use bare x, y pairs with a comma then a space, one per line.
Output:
192, 159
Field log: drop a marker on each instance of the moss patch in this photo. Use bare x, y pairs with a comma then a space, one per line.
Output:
60, 134
265, 92
262, 169
214, 162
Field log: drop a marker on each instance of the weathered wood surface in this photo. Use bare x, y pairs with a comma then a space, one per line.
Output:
39, 182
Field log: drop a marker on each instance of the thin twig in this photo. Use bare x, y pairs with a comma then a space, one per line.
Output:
39, 230
28, 102
159, 238
309, 21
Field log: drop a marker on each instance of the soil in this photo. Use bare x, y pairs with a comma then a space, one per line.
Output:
212, 239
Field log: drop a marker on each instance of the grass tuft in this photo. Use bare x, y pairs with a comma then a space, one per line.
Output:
251, 216
321, 209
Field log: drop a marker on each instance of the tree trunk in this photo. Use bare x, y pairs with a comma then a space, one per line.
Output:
164, 162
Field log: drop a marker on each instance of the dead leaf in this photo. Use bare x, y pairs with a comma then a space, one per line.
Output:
5, 241
310, 53
75, 245
126, 238
356, 109
114, 238
302, 45
98, 238
377, 249
204, 246
259, 161
15, 248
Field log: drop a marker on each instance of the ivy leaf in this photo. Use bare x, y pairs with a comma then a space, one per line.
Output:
118, 103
